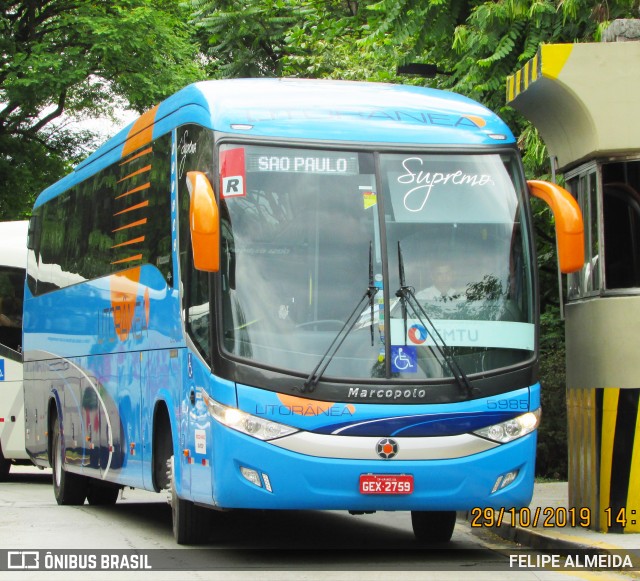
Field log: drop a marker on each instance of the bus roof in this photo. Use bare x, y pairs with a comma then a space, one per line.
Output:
13, 250
336, 112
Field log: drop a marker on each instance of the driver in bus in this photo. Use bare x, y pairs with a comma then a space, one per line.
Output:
443, 286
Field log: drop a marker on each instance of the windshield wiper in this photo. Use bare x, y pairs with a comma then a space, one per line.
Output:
314, 377
407, 297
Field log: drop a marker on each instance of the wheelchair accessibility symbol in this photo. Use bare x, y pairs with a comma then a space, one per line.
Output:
404, 359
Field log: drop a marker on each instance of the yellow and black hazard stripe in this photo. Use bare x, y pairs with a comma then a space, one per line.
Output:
521, 79
618, 464
604, 456
548, 63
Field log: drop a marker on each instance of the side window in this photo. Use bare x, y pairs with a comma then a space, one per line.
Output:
621, 215
33, 249
612, 232
194, 153
116, 219
584, 186
57, 217
138, 228
11, 283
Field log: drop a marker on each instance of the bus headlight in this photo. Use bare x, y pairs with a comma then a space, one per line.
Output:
511, 429
246, 423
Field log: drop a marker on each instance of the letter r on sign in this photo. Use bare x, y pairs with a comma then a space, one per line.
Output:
232, 186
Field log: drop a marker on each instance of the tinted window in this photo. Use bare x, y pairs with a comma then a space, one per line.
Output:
11, 288
117, 219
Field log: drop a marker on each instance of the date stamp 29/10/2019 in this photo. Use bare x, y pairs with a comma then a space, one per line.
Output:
547, 517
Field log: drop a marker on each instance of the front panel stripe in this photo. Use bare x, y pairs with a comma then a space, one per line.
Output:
364, 448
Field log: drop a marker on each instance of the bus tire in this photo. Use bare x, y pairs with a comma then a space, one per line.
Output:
102, 493
190, 522
433, 526
5, 466
68, 488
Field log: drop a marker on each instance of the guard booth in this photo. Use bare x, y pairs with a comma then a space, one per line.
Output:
585, 101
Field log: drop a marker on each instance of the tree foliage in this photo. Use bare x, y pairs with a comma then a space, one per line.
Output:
333, 42
551, 453
245, 38
294, 38
76, 58
479, 43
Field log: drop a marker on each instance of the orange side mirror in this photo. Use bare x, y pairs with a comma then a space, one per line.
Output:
569, 223
204, 222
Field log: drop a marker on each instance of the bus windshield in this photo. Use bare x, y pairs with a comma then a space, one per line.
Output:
297, 229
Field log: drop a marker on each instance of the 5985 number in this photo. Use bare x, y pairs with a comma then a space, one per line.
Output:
508, 404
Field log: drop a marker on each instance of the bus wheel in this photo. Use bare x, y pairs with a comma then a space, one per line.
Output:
102, 493
68, 488
433, 526
5, 466
190, 522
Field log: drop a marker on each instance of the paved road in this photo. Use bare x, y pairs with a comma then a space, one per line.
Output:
305, 545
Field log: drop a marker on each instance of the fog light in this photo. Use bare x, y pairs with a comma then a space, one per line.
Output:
509, 477
267, 482
504, 480
251, 475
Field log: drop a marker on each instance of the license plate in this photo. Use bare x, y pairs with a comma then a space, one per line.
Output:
386, 483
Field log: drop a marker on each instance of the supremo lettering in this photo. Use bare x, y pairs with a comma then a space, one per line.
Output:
185, 148
303, 164
423, 182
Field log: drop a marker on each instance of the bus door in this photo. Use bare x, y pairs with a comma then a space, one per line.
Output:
198, 439
195, 153
11, 404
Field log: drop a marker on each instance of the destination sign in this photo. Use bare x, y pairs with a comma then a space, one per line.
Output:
301, 161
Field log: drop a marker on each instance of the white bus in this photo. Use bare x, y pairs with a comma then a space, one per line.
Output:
13, 261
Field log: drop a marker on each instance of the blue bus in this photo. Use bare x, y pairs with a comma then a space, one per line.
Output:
292, 294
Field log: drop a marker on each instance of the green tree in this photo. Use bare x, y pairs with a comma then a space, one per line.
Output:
77, 58
551, 453
479, 43
296, 38
245, 38
333, 42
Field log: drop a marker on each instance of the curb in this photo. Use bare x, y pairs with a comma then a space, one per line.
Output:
536, 540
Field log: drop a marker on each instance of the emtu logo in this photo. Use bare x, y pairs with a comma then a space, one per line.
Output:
417, 334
